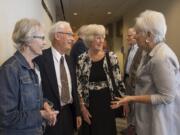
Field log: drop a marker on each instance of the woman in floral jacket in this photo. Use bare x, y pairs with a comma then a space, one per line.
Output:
95, 86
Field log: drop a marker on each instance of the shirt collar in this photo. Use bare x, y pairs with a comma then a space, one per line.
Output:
56, 54
134, 46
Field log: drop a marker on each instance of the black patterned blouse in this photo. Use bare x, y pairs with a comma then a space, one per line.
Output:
84, 65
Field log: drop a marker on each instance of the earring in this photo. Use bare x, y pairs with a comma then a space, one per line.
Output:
147, 41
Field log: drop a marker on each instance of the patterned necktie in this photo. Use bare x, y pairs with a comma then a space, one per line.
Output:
64, 82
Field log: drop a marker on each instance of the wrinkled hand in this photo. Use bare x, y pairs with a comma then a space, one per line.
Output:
119, 102
50, 116
78, 121
86, 114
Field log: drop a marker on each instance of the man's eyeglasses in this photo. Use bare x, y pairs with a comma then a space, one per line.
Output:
67, 33
40, 37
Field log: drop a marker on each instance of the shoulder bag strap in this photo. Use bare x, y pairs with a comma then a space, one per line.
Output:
111, 75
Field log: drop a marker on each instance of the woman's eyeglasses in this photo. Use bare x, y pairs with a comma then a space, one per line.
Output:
39, 37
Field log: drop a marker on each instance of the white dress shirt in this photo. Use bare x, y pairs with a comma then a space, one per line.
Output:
56, 58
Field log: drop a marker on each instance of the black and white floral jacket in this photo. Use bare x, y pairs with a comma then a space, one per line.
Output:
83, 72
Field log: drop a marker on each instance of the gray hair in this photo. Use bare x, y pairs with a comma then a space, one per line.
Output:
93, 30
82, 31
57, 27
24, 31
153, 22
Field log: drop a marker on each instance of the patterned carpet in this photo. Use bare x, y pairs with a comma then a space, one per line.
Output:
120, 124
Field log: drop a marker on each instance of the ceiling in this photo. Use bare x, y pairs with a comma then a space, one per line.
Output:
91, 11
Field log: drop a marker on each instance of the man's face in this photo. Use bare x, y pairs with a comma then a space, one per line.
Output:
65, 39
131, 37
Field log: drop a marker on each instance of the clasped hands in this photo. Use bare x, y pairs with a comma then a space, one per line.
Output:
49, 114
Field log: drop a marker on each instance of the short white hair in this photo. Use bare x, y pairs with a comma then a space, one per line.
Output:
153, 22
24, 30
58, 27
82, 31
93, 30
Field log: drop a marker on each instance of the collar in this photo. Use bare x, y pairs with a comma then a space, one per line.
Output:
21, 59
56, 54
155, 49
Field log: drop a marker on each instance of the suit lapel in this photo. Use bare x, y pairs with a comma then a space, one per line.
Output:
70, 70
51, 73
126, 60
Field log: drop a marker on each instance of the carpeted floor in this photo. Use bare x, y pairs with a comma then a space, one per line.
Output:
121, 124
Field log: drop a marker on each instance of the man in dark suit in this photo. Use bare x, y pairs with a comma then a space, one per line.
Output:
79, 46
59, 80
132, 63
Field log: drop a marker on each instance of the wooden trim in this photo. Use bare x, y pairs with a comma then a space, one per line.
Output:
47, 10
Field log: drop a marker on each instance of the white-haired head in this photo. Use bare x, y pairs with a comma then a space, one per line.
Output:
93, 30
24, 31
57, 27
153, 22
82, 31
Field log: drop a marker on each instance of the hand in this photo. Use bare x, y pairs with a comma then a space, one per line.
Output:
120, 101
78, 121
50, 116
86, 114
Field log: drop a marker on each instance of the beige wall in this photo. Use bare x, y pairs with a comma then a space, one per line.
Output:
13, 10
171, 10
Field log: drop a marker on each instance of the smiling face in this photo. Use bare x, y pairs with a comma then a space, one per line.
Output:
64, 39
98, 43
131, 36
140, 39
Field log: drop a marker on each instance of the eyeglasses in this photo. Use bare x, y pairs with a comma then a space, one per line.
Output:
39, 37
67, 33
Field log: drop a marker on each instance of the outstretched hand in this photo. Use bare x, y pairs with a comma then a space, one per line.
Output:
119, 102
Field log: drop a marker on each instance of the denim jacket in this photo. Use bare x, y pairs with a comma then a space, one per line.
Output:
21, 98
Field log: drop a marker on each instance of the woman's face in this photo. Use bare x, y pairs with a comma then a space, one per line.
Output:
141, 39
37, 43
98, 43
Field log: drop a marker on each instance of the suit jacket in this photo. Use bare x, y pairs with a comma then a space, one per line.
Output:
77, 49
132, 72
49, 82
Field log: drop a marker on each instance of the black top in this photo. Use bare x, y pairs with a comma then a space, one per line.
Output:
97, 73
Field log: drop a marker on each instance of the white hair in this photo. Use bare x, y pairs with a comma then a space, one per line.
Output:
24, 30
93, 30
82, 31
153, 22
57, 27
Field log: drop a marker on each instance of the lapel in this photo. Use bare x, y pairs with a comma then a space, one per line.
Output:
71, 71
136, 60
50, 70
126, 59
69, 64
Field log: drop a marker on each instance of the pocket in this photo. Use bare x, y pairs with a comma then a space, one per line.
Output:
26, 79
29, 93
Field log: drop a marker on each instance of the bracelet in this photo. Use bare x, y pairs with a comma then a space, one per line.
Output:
82, 103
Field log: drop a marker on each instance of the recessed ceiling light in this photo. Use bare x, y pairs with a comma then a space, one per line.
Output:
75, 13
109, 13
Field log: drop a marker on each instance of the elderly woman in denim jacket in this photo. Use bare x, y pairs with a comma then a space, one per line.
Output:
22, 107
95, 85
157, 93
